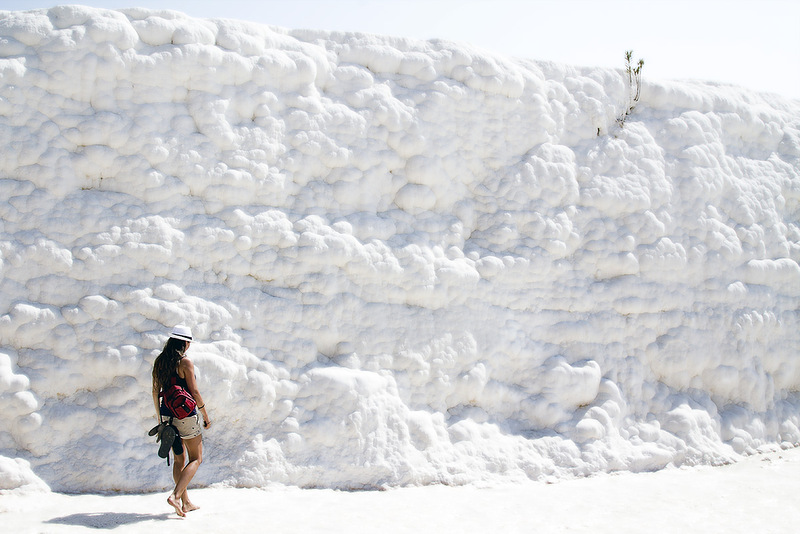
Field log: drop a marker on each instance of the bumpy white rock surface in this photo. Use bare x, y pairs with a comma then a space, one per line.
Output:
404, 262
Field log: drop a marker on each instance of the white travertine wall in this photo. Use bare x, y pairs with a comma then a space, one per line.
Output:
404, 262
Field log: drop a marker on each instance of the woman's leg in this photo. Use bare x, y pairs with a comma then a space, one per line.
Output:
193, 448
186, 504
177, 467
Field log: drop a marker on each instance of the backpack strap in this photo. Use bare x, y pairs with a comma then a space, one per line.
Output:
172, 379
176, 437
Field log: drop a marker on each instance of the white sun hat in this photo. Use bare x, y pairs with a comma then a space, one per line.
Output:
181, 332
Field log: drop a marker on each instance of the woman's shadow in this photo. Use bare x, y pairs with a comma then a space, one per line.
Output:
106, 520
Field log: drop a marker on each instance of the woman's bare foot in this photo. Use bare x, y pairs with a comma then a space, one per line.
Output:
174, 503
189, 507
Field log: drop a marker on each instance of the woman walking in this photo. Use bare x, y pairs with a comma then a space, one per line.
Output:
171, 364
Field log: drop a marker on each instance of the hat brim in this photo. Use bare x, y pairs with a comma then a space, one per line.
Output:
180, 336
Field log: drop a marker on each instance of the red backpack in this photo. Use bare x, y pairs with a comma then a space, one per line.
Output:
177, 399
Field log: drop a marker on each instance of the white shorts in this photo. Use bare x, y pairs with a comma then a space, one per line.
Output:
188, 427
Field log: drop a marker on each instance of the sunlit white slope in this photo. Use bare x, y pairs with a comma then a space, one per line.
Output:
404, 262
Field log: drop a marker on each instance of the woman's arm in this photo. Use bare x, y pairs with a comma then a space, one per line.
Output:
186, 367
155, 402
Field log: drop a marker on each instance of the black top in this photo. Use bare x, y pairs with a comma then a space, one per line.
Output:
164, 410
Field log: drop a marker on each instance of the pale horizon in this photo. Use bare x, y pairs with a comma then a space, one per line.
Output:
752, 44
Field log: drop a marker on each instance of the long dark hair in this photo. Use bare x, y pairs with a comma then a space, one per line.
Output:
166, 364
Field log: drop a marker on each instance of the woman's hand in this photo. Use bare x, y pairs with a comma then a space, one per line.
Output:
206, 420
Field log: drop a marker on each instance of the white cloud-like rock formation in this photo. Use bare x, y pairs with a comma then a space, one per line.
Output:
404, 262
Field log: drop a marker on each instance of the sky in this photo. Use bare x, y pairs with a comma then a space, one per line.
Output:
752, 43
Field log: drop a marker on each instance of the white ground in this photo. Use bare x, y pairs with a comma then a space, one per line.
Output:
756, 495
